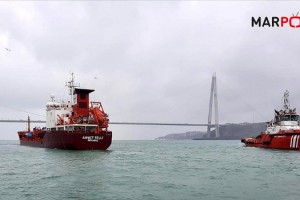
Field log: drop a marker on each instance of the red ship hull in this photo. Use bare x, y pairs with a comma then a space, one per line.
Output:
68, 140
288, 141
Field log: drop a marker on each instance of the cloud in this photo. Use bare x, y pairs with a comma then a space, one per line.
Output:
153, 60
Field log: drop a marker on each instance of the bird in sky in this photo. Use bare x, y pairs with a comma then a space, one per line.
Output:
7, 49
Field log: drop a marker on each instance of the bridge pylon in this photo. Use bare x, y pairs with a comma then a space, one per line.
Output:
213, 98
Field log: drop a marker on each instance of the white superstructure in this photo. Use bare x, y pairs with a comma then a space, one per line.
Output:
286, 119
58, 113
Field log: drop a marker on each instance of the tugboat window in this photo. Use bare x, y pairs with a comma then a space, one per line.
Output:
287, 118
294, 117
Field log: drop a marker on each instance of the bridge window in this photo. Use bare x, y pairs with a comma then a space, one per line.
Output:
289, 117
294, 117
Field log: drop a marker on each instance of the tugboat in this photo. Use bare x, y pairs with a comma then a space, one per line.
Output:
77, 124
283, 132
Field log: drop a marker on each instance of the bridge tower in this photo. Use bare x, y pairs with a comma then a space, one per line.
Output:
213, 98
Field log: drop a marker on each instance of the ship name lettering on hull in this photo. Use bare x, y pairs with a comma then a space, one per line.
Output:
92, 138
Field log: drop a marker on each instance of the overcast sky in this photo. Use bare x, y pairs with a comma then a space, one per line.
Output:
148, 61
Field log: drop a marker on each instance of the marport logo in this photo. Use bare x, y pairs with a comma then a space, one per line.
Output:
280, 22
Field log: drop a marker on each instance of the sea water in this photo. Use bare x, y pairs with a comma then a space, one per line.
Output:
150, 170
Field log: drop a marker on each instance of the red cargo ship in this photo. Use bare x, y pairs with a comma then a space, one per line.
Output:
76, 124
283, 132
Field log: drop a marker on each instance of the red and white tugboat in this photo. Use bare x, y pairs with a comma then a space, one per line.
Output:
76, 124
283, 132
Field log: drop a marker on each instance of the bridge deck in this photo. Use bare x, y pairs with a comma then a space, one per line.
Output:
122, 123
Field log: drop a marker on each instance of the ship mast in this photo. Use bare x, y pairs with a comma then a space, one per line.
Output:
286, 101
71, 85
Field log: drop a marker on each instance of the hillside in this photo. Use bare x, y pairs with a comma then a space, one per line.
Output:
227, 132
183, 136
